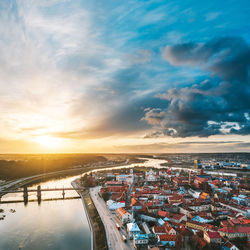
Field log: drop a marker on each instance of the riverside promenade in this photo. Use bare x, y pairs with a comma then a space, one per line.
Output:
98, 237
113, 235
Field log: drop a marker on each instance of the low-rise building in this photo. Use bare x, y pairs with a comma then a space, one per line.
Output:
169, 229
124, 215
229, 246
212, 237
140, 240
112, 205
238, 232
132, 229
167, 240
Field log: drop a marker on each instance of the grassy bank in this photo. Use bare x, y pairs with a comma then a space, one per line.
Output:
99, 236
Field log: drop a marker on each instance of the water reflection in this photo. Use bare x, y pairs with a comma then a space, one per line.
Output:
52, 225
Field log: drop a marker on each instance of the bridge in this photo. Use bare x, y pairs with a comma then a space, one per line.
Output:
39, 191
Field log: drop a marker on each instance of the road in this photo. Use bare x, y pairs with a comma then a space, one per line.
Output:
25, 180
128, 200
114, 239
21, 181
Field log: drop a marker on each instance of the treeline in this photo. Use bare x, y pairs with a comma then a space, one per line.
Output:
13, 169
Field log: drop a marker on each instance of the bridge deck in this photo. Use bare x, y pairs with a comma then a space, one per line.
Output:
42, 190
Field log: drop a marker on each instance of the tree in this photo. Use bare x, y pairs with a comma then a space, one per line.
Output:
106, 196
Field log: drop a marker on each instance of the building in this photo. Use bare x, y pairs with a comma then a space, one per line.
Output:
176, 218
229, 246
128, 178
135, 204
168, 229
124, 215
204, 196
112, 205
195, 225
150, 175
140, 240
158, 230
238, 232
146, 228
212, 237
167, 240
132, 229
197, 164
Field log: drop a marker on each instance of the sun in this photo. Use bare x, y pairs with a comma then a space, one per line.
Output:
48, 141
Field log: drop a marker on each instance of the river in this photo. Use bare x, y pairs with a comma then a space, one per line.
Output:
60, 224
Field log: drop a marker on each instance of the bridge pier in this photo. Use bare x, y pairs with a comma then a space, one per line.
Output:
25, 195
63, 194
39, 194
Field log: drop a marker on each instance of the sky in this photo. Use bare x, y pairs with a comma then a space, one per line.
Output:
124, 76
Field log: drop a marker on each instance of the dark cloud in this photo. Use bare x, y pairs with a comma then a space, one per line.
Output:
243, 145
218, 105
210, 142
228, 57
188, 146
150, 147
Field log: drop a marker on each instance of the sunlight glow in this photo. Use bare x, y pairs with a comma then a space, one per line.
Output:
48, 141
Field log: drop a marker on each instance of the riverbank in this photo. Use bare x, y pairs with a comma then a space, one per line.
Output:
98, 236
62, 173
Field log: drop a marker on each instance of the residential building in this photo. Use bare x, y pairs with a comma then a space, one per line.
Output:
140, 240
212, 237
133, 229
124, 215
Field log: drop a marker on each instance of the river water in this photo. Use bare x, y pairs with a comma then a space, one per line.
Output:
60, 224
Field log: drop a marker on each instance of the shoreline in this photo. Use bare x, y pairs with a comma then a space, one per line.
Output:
94, 220
18, 183
75, 186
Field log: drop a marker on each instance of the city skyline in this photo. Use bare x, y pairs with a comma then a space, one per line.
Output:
134, 76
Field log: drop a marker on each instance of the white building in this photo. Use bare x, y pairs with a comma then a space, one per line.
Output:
129, 178
140, 240
113, 205
133, 230
150, 175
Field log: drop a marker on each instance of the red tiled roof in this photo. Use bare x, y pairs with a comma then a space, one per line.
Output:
167, 227
213, 235
225, 223
117, 196
114, 183
227, 230
177, 216
167, 237
243, 230
162, 213
121, 211
159, 229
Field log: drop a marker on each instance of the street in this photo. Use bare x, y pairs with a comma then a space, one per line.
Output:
114, 239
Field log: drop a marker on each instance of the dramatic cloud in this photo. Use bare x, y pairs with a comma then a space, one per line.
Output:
188, 146
74, 71
217, 105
